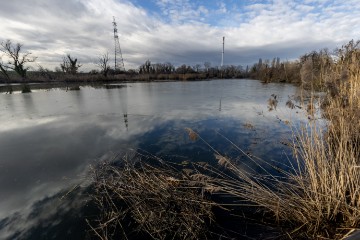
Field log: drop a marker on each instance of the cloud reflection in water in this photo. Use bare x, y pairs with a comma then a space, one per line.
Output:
49, 139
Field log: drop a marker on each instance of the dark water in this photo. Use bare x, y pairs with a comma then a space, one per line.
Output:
48, 140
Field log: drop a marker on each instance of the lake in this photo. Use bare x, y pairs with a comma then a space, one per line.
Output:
49, 138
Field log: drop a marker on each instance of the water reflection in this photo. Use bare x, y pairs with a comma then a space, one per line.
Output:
124, 107
52, 217
48, 139
79, 98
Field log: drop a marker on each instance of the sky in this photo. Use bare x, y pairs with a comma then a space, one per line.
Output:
177, 31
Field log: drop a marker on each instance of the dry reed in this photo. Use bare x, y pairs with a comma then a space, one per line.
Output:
320, 196
158, 200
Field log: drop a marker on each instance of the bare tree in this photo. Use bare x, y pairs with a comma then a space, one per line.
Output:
16, 59
70, 65
146, 67
197, 68
207, 66
4, 71
103, 64
44, 72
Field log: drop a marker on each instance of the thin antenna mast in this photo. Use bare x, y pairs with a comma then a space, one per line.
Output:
223, 50
119, 62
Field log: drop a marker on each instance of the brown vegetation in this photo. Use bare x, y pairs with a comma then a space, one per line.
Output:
276, 71
318, 198
314, 70
153, 200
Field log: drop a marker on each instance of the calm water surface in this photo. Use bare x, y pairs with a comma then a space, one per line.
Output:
48, 140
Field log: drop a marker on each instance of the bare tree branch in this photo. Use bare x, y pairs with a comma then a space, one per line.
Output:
103, 64
70, 65
16, 60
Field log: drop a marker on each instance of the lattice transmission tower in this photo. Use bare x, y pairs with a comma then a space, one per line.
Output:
119, 62
223, 52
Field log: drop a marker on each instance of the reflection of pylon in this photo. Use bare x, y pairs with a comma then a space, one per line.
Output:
119, 62
126, 121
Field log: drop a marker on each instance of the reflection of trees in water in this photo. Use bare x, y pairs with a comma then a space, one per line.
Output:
9, 102
78, 96
29, 105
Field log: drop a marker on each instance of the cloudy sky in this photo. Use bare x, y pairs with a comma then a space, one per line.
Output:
178, 31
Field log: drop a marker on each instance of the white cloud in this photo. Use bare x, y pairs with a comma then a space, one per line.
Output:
184, 32
222, 8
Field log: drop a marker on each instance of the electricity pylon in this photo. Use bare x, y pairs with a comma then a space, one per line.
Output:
119, 62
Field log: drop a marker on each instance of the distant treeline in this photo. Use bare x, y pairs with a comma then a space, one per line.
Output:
146, 72
310, 69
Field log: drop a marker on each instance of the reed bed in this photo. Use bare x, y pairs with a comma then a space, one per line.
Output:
320, 196
153, 200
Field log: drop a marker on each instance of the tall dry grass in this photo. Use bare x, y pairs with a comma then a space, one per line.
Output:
320, 196
149, 200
